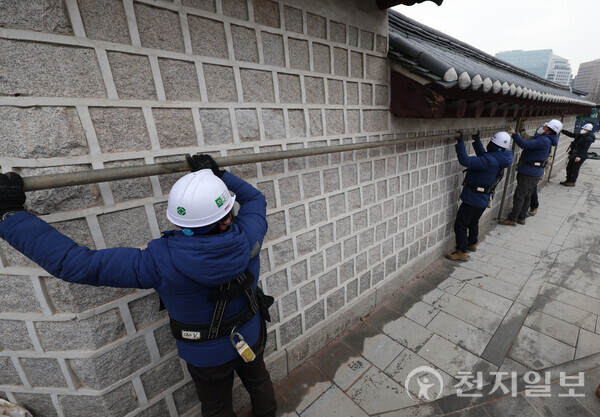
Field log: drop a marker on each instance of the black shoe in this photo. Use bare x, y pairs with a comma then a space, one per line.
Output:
521, 221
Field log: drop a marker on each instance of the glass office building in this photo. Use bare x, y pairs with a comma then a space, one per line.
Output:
543, 63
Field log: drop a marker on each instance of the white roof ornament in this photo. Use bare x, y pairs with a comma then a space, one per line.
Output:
476, 82
505, 88
496, 87
513, 89
519, 92
450, 75
487, 84
526, 92
464, 81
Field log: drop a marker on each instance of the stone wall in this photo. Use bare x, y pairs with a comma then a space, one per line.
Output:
92, 84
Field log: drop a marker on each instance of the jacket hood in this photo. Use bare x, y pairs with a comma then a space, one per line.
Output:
210, 259
504, 158
553, 138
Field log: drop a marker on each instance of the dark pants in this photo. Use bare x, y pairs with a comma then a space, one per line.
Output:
573, 169
535, 202
214, 386
522, 196
467, 220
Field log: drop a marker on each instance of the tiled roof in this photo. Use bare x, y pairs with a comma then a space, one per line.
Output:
443, 61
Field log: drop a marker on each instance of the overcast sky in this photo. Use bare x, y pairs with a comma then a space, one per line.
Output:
571, 28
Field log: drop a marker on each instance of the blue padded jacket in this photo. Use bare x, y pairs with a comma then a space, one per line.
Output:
482, 170
535, 149
182, 269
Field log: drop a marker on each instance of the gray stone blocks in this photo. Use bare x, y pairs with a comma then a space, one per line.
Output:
266, 13
159, 28
132, 76
53, 19
220, 83
299, 55
216, 126
257, 86
162, 377
89, 334
244, 43
41, 132
180, 79
17, 295
43, 372
273, 50
40, 69
207, 37
117, 402
104, 20
293, 19
112, 366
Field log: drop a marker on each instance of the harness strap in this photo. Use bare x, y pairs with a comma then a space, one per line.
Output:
485, 189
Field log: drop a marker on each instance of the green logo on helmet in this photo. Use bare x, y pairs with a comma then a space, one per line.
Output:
181, 211
219, 202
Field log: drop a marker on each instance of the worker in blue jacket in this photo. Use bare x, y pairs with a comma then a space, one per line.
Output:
531, 168
578, 152
206, 274
484, 172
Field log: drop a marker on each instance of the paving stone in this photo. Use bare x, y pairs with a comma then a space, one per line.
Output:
302, 387
584, 286
553, 327
511, 407
559, 406
572, 298
483, 268
496, 286
377, 393
485, 299
381, 350
469, 312
451, 285
448, 356
340, 363
511, 366
570, 314
406, 363
544, 346
512, 277
333, 403
422, 313
459, 332
588, 344
425, 410
408, 333
528, 359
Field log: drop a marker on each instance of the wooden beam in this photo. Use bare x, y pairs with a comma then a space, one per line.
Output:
411, 99
490, 109
474, 109
456, 109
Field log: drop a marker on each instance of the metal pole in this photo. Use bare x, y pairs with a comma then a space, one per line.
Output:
562, 117
507, 178
43, 182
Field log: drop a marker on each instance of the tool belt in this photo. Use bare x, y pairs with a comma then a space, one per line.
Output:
535, 164
485, 189
257, 301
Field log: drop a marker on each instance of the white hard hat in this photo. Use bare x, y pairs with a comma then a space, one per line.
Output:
199, 199
588, 127
555, 125
502, 139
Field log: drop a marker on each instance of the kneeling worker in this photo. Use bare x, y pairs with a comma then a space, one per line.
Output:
484, 172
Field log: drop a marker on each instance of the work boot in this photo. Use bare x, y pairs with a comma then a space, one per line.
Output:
532, 212
472, 248
598, 391
569, 184
521, 221
563, 182
458, 255
507, 222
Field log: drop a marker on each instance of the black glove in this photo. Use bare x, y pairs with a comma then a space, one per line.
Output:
12, 196
198, 162
460, 137
476, 137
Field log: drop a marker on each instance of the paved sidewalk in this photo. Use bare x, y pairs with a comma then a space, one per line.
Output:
528, 299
